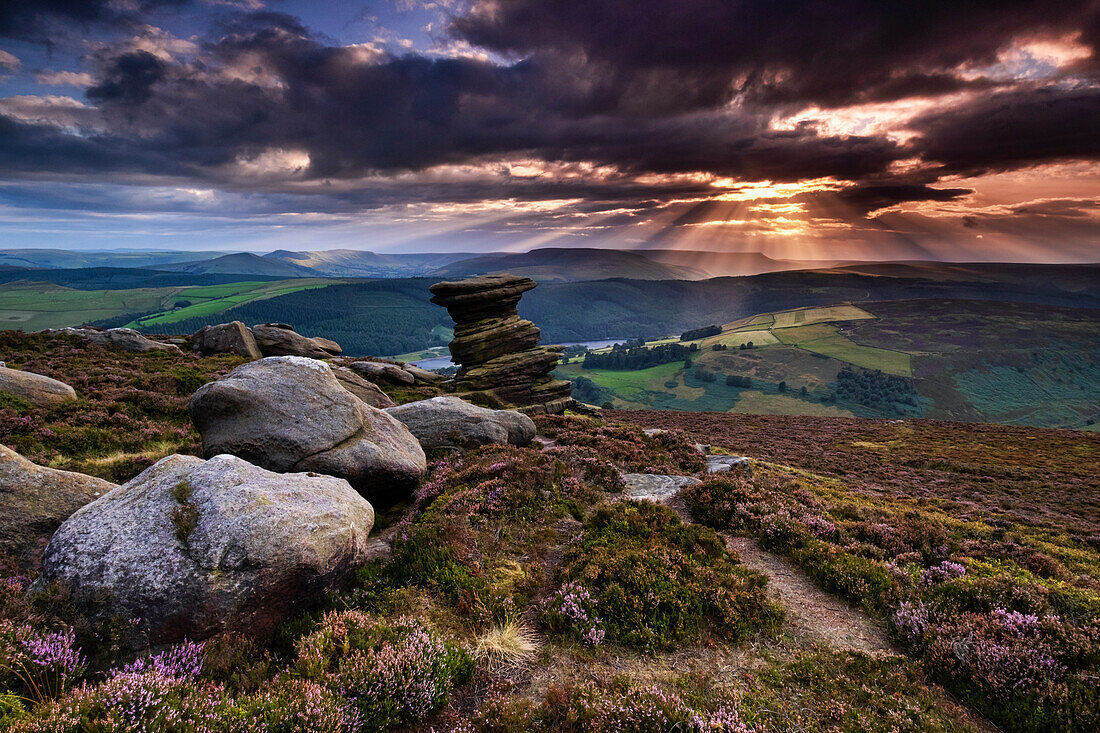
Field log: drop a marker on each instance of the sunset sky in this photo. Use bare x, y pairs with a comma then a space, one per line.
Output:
863, 129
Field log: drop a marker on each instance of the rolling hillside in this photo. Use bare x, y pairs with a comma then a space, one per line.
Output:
574, 264
947, 359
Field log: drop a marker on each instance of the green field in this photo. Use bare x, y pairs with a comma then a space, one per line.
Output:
35, 306
827, 339
210, 299
967, 360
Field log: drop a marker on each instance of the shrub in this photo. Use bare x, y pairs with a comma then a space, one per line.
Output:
625, 445
605, 709
394, 672
646, 579
289, 705
41, 665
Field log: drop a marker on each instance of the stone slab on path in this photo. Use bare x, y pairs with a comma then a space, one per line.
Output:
720, 464
654, 487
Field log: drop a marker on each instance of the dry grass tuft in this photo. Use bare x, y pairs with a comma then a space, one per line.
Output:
507, 645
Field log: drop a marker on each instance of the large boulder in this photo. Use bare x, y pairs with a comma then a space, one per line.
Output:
290, 413
361, 388
444, 422
35, 388
193, 548
279, 339
226, 338
123, 339
382, 371
36, 500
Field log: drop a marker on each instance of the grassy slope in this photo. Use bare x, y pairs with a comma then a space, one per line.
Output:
35, 306
971, 360
212, 299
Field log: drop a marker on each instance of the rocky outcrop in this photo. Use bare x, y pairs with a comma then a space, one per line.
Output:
35, 501
361, 388
280, 339
35, 388
123, 339
193, 548
226, 338
290, 413
382, 371
448, 422
497, 351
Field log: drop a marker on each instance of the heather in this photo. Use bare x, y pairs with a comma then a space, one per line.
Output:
1004, 614
644, 578
131, 411
629, 447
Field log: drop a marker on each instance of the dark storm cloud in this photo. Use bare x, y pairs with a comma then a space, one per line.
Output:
645, 87
31, 19
356, 114
129, 78
777, 52
1013, 129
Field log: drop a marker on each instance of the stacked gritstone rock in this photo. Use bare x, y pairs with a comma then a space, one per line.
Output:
498, 351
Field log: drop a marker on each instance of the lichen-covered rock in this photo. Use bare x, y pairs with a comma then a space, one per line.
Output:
35, 501
226, 338
35, 388
445, 422
290, 413
123, 339
369, 392
193, 548
498, 351
384, 372
279, 339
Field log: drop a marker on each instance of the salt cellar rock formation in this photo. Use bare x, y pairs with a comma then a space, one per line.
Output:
498, 351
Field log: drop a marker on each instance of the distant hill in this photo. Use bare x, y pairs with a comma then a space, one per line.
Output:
120, 278
362, 263
727, 264
65, 258
552, 264
243, 263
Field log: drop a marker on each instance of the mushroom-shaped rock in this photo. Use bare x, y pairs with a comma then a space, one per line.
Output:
226, 338
451, 422
35, 388
279, 339
194, 548
36, 500
361, 388
384, 372
290, 413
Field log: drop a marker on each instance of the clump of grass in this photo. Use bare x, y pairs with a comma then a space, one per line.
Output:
508, 644
185, 516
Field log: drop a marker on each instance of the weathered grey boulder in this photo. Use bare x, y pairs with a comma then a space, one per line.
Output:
226, 338
123, 339
194, 548
423, 375
35, 388
361, 388
279, 339
447, 421
381, 371
35, 501
328, 345
290, 413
